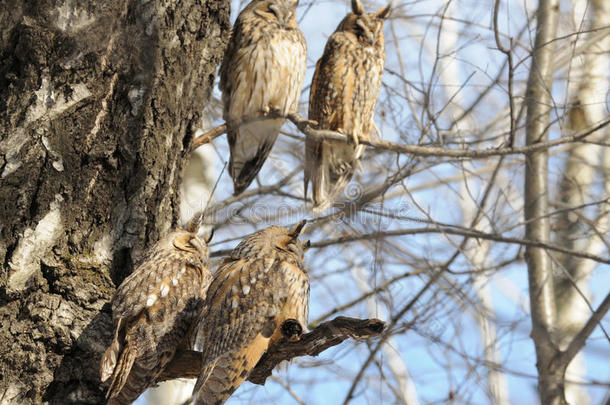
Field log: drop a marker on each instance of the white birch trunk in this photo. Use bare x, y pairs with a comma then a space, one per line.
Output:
589, 88
400, 372
497, 386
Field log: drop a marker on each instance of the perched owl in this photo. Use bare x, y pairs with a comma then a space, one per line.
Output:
258, 295
343, 95
152, 311
262, 71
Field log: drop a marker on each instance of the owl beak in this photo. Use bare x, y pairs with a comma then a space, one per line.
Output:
196, 243
278, 15
368, 35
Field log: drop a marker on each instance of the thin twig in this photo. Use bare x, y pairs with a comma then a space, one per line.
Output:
511, 71
391, 324
463, 232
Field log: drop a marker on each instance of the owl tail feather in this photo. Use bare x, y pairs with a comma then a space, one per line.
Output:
121, 371
243, 177
198, 397
250, 147
316, 168
110, 357
328, 179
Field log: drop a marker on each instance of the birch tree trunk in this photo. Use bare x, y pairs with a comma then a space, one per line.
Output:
540, 271
577, 188
98, 102
449, 72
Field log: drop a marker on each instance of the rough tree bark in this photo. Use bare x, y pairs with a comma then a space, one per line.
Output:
98, 103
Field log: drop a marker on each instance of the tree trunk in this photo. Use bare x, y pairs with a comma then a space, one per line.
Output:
589, 91
540, 271
98, 102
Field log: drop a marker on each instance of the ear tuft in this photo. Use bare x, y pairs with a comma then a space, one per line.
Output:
193, 225
357, 7
307, 246
384, 12
209, 238
296, 231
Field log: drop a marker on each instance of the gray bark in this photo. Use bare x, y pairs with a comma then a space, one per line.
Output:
540, 272
98, 103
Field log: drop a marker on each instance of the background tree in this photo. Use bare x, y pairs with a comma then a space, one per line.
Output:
431, 235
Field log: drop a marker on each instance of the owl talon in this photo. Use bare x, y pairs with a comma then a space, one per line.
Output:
302, 125
292, 329
354, 139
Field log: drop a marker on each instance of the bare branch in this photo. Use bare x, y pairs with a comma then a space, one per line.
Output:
462, 232
305, 126
579, 340
187, 363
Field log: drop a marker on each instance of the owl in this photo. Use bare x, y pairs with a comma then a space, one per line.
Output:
258, 295
342, 98
262, 72
152, 311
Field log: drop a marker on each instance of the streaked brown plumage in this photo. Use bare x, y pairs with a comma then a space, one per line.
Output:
262, 284
343, 95
152, 311
262, 71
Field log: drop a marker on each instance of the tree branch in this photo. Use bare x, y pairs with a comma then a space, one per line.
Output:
305, 126
456, 231
579, 340
187, 363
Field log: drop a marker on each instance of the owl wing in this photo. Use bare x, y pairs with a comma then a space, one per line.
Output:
130, 298
247, 303
226, 80
128, 304
152, 310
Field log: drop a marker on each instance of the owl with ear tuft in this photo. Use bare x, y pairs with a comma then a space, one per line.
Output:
343, 95
152, 311
258, 295
262, 72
